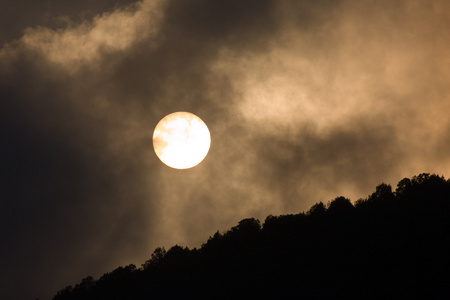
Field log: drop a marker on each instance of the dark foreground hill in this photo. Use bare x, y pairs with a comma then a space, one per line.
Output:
392, 245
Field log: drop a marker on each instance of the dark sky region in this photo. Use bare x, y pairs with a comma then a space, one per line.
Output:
305, 101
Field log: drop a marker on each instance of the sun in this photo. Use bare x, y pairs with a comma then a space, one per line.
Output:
181, 140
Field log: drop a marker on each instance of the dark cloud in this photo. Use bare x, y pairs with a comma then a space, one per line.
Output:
314, 166
305, 101
220, 21
68, 194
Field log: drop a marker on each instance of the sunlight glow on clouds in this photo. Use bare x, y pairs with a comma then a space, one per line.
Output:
90, 41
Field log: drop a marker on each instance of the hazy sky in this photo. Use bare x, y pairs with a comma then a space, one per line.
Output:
305, 101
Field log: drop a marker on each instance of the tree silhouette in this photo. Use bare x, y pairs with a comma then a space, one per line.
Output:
390, 245
156, 259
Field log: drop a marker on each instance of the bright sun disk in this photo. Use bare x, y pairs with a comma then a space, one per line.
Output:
181, 140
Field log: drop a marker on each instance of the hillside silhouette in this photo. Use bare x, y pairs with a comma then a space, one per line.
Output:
390, 245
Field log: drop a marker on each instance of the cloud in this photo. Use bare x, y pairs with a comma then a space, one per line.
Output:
73, 184
89, 42
368, 75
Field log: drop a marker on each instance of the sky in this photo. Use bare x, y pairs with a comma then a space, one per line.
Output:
305, 101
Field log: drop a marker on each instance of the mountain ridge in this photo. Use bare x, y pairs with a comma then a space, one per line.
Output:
390, 245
